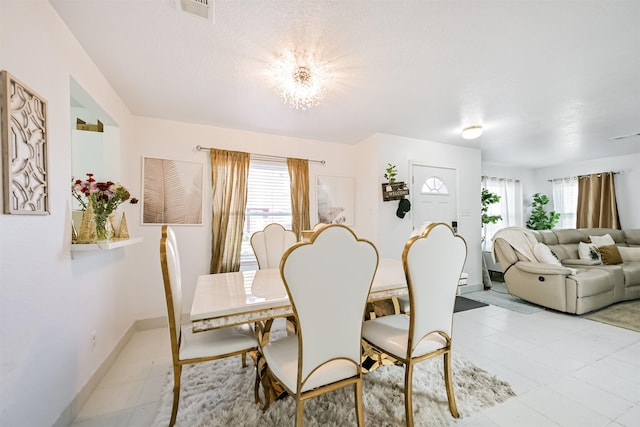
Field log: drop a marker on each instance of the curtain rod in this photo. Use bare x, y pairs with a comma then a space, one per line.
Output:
580, 176
498, 178
264, 156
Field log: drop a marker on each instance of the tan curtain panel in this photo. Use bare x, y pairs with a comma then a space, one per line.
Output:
299, 177
229, 175
597, 202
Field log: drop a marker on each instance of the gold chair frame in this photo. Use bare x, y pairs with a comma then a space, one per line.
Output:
174, 328
445, 351
300, 396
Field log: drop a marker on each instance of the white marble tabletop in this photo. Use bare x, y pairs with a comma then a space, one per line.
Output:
248, 296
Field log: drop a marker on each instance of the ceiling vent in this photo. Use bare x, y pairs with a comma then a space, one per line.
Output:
202, 8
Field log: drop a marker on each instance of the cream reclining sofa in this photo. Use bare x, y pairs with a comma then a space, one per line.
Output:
573, 285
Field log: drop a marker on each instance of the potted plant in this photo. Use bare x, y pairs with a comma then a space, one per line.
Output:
390, 175
540, 219
488, 199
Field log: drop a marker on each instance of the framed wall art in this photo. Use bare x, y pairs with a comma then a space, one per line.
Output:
172, 192
25, 141
334, 195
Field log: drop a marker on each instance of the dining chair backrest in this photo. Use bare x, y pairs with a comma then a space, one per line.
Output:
328, 280
170, 263
269, 244
433, 262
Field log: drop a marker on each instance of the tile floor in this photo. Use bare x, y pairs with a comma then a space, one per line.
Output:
566, 371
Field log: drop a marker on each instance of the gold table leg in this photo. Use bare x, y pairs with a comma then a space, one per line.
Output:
372, 359
270, 386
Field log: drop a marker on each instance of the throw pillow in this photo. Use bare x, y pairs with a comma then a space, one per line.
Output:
589, 251
545, 255
610, 254
602, 240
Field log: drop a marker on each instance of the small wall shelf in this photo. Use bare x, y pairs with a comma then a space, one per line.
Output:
104, 246
397, 192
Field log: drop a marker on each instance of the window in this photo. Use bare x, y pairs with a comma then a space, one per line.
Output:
434, 185
509, 207
268, 201
565, 201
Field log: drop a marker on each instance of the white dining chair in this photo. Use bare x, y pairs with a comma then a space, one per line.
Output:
188, 347
432, 262
328, 280
269, 244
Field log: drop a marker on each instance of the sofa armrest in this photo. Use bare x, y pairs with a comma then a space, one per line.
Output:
542, 268
580, 262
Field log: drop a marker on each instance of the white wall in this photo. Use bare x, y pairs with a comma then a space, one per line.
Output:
527, 181
49, 302
176, 140
392, 232
537, 181
627, 192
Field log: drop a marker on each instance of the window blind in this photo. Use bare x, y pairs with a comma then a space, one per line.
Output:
268, 201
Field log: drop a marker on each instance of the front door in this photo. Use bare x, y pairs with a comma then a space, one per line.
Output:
434, 194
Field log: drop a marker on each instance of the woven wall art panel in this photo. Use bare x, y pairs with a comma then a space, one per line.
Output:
24, 148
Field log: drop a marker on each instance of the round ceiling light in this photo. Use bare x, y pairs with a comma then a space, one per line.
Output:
472, 132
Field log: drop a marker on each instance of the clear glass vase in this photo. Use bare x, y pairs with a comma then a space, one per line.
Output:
103, 227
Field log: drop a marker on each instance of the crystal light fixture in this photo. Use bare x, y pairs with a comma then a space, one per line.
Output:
300, 80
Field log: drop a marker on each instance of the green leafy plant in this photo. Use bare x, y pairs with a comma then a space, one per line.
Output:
390, 173
540, 219
488, 199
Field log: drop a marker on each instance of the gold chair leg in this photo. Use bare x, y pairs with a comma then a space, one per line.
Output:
299, 413
244, 359
448, 382
177, 371
359, 407
408, 406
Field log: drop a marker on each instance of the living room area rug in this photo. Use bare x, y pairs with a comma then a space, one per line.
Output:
220, 393
625, 314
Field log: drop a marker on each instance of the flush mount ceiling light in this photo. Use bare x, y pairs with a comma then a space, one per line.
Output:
300, 79
472, 132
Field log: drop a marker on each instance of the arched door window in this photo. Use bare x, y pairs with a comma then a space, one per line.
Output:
434, 185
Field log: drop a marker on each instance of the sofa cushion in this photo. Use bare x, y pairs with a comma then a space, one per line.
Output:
600, 241
548, 237
631, 274
544, 254
616, 235
628, 254
588, 251
632, 237
610, 254
569, 235
593, 282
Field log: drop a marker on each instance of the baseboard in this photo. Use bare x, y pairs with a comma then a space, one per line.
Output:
153, 323
470, 288
71, 411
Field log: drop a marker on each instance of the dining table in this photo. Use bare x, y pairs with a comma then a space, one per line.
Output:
228, 299
259, 297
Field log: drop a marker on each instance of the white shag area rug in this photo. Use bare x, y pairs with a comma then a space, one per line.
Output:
220, 393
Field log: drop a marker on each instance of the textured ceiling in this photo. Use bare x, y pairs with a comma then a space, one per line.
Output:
550, 81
